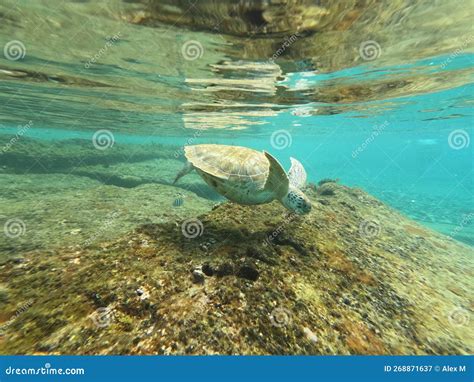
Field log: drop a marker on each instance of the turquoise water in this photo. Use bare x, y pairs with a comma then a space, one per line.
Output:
101, 253
398, 126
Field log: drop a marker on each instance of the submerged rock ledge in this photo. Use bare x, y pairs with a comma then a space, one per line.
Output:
352, 277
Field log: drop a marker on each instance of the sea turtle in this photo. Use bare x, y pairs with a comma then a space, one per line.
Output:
247, 176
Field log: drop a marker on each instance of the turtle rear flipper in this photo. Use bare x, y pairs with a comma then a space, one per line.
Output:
188, 167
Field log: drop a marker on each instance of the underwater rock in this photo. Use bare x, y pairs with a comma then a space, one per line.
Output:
239, 18
326, 189
67, 155
52, 207
198, 276
327, 180
126, 166
225, 269
369, 281
323, 35
249, 272
207, 269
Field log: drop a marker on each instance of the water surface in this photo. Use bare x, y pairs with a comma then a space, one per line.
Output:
378, 96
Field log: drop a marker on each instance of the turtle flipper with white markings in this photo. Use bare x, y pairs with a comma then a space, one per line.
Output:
247, 176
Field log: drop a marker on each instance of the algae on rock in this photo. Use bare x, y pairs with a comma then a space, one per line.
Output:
352, 277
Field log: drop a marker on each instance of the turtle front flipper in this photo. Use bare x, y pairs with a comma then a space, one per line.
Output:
277, 180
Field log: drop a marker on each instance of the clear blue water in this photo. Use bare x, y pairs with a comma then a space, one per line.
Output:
98, 100
387, 126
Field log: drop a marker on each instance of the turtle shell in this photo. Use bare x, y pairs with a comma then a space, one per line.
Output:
230, 163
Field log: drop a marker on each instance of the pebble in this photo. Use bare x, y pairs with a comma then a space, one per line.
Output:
248, 272
310, 335
207, 269
198, 276
225, 269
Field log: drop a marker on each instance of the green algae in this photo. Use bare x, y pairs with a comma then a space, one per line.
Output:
79, 210
39, 156
352, 277
59, 192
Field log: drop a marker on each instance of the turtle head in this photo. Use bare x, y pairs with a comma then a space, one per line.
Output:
296, 201
286, 188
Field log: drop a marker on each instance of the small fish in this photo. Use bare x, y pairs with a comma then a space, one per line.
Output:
178, 201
